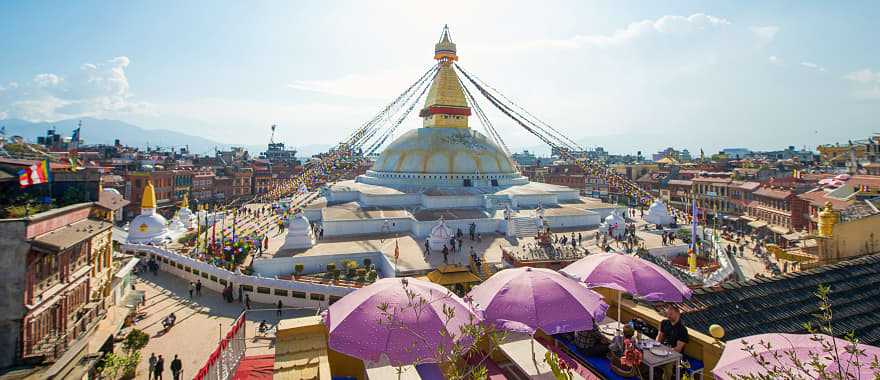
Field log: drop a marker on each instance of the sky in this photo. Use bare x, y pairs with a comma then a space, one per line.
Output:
629, 76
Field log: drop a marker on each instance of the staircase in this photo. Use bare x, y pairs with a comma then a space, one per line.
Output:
524, 227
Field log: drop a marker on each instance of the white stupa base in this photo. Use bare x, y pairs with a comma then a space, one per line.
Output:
298, 241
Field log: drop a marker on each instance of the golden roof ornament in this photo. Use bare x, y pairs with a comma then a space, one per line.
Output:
827, 220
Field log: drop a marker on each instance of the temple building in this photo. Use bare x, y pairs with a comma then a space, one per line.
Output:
447, 173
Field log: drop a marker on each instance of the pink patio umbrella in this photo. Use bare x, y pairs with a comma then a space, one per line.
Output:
736, 360
628, 274
419, 325
526, 299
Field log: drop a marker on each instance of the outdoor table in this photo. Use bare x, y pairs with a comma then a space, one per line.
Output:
649, 359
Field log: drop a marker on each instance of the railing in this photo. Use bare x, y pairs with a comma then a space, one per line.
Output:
224, 360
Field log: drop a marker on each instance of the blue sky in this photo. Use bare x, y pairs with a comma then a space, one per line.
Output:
627, 75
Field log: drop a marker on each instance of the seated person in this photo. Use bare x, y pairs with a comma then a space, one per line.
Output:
626, 358
673, 332
591, 342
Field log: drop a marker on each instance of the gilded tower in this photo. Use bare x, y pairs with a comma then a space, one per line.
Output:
827, 220
445, 106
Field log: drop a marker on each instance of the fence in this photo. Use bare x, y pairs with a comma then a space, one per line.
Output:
259, 289
224, 361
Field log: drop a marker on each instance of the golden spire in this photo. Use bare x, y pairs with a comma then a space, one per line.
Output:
185, 202
149, 198
445, 105
827, 220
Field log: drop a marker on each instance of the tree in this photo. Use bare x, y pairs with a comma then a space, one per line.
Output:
790, 365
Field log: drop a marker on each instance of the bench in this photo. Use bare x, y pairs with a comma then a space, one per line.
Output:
599, 364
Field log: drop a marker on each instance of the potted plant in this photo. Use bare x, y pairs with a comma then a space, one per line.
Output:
372, 275
351, 272
336, 274
297, 270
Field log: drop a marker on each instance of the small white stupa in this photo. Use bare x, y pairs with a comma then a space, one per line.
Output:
149, 226
299, 233
658, 214
614, 222
184, 215
440, 235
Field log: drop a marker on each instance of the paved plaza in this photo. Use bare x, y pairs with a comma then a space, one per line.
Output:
200, 323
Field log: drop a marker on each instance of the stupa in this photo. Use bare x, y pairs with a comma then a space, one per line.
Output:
299, 233
658, 214
615, 223
446, 169
184, 214
149, 227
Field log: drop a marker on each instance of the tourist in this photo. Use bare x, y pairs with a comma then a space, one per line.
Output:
280, 306
240, 292
321, 234
445, 254
580, 239
152, 366
160, 367
176, 368
192, 288
452, 243
673, 332
427, 246
199, 288
247, 301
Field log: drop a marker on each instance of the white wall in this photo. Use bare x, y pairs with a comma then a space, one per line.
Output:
400, 200
484, 226
315, 264
239, 279
455, 201
365, 226
561, 221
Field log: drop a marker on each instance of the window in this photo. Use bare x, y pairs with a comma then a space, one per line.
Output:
280, 292
316, 297
204, 275
296, 294
214, 278
247, 288
262, 290
221, 281
188, 269
195, 272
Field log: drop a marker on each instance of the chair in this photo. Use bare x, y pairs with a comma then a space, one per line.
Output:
693, 367
599, 364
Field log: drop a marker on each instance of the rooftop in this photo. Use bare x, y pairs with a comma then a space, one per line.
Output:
783, 304
67, 236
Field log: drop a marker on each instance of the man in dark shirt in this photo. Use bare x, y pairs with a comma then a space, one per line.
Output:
176, 368
673, 333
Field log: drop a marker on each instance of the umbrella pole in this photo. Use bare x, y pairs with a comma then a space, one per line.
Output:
619, 317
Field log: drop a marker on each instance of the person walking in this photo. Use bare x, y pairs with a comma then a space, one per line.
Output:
247, 301
280, 306
176, 368
160, 367
152, 367
199, 288
192, 288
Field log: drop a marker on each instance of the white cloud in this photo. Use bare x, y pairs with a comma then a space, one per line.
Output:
813, 66
669, 24
47, 80
765, 34
100, 89
775, 60
866, 83
864, 76
379, 85
3, 115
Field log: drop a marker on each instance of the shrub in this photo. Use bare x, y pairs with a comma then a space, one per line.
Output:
135, 340
331, 267
298, 269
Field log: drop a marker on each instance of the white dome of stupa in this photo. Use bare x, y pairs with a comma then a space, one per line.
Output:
658, 214
615, 222
149, 226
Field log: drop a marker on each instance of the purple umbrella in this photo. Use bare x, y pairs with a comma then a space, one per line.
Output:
775, 349
419, 325
526, 299
628, 274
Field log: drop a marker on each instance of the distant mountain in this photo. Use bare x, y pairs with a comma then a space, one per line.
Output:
102, 131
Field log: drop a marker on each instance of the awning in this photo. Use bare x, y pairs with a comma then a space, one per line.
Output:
758, 224
778, 229
795, 236
748, 218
